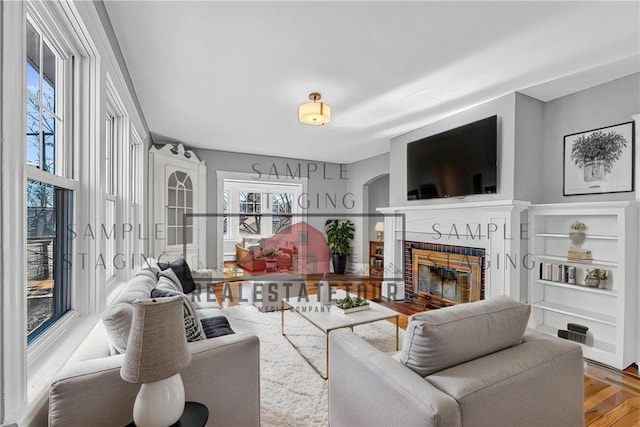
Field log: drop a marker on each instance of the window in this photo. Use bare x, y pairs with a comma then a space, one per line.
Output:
116, 173
110, 153
179, 209
282, 209
261, 208
44, 118
225, 212
110, 198
136, 166
50, 188
250, 208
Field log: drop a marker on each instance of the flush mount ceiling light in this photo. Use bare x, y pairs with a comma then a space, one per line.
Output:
314, 113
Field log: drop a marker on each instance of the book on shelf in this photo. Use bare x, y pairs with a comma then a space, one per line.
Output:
557, 273
579, 256
546, 271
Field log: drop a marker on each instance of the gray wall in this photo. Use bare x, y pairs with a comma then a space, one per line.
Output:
377, 192
324, 180
504, 107
528, 154
603, 105
362, 173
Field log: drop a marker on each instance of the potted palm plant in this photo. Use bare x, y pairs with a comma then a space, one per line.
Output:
596, 153
339, 237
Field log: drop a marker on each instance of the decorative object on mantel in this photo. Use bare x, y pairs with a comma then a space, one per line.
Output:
577, 235
596, 278
314, 113
350, 305
379, 227
599, 161
156, 353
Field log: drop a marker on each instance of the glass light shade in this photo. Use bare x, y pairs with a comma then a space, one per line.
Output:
314, 113
379, 226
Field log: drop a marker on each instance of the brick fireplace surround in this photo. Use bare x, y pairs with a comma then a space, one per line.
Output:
410, 291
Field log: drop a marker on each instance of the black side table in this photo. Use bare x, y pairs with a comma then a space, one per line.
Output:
194, 415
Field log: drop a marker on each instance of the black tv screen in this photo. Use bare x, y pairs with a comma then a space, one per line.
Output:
458, 162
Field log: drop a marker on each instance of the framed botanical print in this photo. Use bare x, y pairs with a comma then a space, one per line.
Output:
599, 160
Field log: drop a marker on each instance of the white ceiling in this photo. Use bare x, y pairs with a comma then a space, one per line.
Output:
230, 75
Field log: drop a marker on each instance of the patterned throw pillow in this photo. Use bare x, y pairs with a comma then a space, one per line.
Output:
182, 271
192, 326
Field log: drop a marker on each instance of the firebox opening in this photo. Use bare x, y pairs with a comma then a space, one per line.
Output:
441, 275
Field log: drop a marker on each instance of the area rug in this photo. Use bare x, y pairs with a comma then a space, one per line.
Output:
291, 392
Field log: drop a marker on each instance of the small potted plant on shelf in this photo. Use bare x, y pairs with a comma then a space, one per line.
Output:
577, 234
596, 278
351, 304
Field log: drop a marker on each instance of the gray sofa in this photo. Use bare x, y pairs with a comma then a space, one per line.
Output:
468, 365
223, 374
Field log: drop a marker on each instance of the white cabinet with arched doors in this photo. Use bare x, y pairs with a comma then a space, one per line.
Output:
177, 183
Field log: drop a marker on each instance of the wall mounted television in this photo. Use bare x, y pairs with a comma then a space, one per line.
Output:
454, 163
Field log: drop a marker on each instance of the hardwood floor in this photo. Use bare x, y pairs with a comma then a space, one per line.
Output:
611, 397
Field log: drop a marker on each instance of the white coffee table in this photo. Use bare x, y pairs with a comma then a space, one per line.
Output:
327, 320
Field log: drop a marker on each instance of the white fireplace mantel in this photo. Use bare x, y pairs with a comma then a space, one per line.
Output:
497, 226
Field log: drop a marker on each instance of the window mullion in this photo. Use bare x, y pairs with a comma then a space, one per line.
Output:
266, 211
53, 114
36, 174
40, 86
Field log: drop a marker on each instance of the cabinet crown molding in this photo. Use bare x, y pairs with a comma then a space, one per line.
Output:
176, 150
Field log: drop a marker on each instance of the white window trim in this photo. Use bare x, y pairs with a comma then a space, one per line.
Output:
64, 166
23, 391
137, 199
116, 111
221, 176
63, 177
263, 187
20, 384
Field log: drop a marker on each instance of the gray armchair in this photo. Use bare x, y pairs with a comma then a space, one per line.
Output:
535, 381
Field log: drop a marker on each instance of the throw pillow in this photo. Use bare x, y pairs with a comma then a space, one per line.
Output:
118, 315
150, 264
216, 326
167, 279
439, 339
192, 326
182, 270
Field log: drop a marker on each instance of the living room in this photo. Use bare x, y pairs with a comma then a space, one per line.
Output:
148, 123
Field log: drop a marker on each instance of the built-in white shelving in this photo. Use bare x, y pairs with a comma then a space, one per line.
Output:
608, 313
590, 264
566, 236
579, 288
